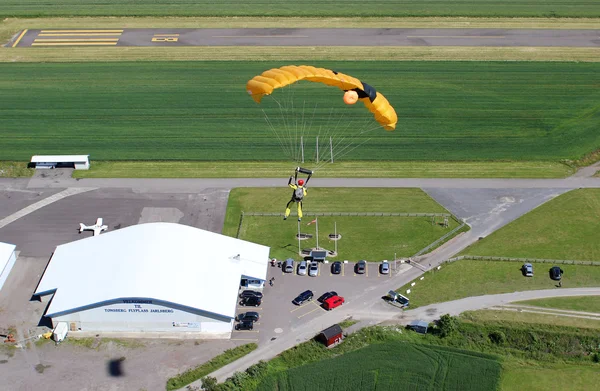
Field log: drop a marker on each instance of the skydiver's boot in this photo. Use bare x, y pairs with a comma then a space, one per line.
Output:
287, 213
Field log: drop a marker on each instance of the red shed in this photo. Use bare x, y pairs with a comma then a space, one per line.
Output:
331, 336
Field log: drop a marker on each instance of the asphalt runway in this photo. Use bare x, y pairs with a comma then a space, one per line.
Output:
308, 37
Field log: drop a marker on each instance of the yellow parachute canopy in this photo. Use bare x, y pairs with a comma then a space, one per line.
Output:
265, 83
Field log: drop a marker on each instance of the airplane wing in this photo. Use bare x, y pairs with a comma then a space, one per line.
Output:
99, 222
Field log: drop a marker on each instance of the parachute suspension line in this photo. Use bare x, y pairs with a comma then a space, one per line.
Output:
282, 112
274, 131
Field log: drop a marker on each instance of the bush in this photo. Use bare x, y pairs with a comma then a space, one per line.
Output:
497, 337
447, 325
209, 383
596, 357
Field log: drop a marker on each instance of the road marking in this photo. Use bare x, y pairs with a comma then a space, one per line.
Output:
19, 38
309, 312
343, 268
72, 43
260, 36
78, 35
302, 306
81, 31
166, 35
455, 36
77, 40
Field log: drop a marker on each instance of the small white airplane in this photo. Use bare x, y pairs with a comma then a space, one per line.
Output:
97, 228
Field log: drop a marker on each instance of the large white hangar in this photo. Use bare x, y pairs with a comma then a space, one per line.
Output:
151, 278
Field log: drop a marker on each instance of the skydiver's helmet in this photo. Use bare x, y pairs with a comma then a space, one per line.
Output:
300, 182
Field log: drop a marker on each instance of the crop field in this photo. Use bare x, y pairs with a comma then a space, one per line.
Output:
564, 228
453, 111
494, 8
535, 376
387, 366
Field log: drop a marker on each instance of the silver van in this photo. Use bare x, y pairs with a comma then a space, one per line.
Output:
288, 266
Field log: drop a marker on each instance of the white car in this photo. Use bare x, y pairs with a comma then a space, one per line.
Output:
302, 268
385, 267
313, 270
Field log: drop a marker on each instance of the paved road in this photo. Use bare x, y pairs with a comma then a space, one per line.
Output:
308, 37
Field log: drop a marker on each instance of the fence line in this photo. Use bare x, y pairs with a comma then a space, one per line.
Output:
440, 240
355, 214
524, 260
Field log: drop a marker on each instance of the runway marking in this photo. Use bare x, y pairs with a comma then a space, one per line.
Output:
455, 36
72, 43
19, 38
260, 36
81, 31
77, 40
78, 34
40, 204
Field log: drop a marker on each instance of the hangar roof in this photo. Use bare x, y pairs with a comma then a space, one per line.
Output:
174, 263
6, 251
59, 158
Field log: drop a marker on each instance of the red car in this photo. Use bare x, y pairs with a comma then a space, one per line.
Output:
333, 302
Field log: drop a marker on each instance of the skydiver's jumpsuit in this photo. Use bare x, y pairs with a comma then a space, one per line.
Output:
297, 196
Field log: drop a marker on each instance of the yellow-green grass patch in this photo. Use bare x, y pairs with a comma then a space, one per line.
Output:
536, 376
344, 169
574, 303
529, 318
564, 228
468, 278
15, 169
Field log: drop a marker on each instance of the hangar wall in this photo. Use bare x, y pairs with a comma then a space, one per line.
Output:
143, 315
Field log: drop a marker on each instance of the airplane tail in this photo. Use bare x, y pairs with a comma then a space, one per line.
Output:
81, 227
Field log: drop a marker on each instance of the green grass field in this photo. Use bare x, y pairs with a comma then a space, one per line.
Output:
386, 366
564, 228
371, 238
529, 318
493, 8
576, 303
465, 278
344, 169
448, 111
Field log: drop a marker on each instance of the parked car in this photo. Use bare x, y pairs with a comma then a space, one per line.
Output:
333, 302
527, 270
385, 267
326, 296
336, 267
288, 266
556, 273
248, 316
244, 325
252, 301
361, 267
249, 293
313, 270
303, 297
302, 268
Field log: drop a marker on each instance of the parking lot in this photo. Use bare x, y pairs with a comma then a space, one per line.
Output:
278, 315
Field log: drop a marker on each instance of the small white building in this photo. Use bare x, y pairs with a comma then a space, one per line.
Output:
154, 278
8, 258
78, 162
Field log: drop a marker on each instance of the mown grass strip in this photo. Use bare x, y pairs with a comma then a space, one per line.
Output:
410, 8
300, 54
518, 316
191, 375
344, 169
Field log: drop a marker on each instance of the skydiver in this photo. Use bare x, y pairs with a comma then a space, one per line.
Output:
299, 186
